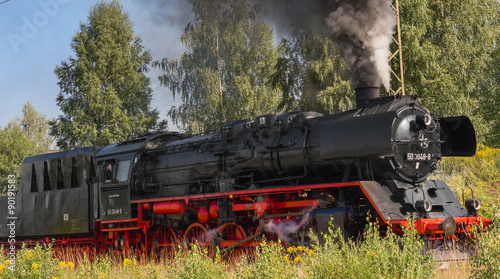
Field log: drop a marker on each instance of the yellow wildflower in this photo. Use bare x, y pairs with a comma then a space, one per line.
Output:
35, 266
1, 268
289, 249
300, 248
126, 262
70, 264
296, 259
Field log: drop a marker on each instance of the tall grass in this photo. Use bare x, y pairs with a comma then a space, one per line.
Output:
337, 257
374, 257
486, 263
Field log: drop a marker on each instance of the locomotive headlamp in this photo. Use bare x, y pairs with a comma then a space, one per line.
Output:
473, 205
424, 120
423, 205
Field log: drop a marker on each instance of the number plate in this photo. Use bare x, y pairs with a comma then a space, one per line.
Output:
418, 157
115, 211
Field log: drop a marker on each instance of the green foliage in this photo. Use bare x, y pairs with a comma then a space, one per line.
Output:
313, 75
480, 173
492, 102
224, 74
36, 129
448, 49
105, 94
487, 261
14, 147
21, 138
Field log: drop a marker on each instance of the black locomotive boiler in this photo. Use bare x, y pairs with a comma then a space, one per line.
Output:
277, 175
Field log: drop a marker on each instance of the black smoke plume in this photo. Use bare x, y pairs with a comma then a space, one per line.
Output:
362, 28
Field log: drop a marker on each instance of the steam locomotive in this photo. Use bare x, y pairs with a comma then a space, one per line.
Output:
275, 175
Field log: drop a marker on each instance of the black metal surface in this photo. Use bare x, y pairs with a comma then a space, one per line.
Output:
55, 195
119, 148
364, 94
10, 222
396, 199
58, 212
360, 136
115, 203
62, 154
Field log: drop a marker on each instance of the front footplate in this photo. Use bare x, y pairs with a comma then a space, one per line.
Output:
457, 228
452, 226
447, 238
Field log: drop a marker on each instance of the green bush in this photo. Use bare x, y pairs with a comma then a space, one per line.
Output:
486, 262
374, 257
38, 262
479, 172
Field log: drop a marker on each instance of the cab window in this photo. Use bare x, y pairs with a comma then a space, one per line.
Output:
115, 171
122, 170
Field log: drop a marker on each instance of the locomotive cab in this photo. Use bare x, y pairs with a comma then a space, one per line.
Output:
115, 163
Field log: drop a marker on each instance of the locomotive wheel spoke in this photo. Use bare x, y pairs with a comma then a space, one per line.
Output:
196, 233
170, 237
164, 237
231, 231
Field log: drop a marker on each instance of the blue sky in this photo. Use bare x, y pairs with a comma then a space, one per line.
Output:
35, 36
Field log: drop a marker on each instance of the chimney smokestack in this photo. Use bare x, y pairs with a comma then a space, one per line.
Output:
364, 94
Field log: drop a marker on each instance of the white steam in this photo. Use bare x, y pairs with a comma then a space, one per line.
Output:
288, 227
364, 30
